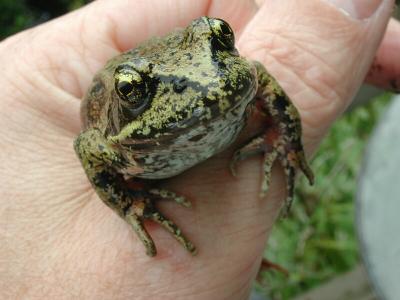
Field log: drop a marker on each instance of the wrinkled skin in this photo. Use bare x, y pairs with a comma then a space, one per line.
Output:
171, 103
59, 241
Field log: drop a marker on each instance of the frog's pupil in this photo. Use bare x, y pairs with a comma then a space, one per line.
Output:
125, 87
225, 29
225, 39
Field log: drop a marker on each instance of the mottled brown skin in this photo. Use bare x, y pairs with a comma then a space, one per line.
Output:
171, 103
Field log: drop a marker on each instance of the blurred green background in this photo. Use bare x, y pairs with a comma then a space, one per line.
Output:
317, 241
16, 15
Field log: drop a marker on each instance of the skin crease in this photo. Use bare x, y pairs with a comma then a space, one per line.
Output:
53, 228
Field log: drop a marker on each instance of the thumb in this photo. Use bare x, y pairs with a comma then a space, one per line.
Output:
319, 51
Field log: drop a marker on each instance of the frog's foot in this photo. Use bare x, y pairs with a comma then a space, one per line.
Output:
142, 209
168, 195
275, 146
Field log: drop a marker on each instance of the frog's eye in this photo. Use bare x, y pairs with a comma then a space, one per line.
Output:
129, 84
223, 34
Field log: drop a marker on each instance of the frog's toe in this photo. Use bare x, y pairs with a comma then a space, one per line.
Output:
290, 173
257, 146
156, 216
165, 194
291, 160
269, 158
305, 168
254, 147
135, 220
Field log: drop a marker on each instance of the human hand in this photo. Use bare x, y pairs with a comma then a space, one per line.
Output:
59, 241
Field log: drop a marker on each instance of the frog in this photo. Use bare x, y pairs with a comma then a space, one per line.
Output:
172, 102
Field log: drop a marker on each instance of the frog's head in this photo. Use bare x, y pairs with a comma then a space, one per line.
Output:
171, 84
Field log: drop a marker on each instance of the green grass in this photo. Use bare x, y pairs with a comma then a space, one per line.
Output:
317, 241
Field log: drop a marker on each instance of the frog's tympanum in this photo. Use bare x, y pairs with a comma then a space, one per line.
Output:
171, 103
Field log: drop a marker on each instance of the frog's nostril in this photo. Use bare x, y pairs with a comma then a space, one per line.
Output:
180, 85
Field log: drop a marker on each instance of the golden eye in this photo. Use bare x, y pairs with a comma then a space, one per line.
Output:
223, 33
129, 84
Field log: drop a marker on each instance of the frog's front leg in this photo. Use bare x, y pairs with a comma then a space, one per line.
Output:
282, 137
130, 199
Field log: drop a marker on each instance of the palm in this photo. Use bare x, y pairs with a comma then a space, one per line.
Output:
74, 233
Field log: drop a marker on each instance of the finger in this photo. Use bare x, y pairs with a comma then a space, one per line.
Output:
144, 21
69, 50
385, 70
320, 61
138, 20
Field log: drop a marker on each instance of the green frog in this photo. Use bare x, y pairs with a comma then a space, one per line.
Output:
171, 103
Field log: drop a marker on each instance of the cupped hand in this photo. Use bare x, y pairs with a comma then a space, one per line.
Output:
59, 241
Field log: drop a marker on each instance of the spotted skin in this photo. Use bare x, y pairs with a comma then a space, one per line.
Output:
282, 138
171, 103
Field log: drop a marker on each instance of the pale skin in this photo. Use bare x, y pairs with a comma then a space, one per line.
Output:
59, 241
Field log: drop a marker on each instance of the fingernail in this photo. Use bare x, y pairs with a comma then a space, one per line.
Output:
358, 9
